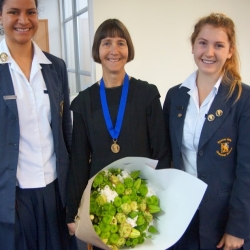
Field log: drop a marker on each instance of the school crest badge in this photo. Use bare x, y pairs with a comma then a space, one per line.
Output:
225, 148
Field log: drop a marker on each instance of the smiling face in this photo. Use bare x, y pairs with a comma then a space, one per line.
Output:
211, 49
113, 53
20, 21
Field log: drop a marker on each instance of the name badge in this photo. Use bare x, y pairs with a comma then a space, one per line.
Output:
9, 97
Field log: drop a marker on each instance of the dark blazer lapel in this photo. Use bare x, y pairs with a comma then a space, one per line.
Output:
7, 89
219, 103
180, 108
52, 84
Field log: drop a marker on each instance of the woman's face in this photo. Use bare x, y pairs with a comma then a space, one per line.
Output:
113, 53
19, 19
211, 49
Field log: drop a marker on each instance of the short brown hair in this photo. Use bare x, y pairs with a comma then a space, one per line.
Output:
112, 28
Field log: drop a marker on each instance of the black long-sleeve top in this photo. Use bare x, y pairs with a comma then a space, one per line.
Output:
142, 134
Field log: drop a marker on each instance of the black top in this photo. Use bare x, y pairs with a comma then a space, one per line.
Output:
142, 134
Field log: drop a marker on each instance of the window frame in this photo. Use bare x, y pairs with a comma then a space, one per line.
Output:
77, 71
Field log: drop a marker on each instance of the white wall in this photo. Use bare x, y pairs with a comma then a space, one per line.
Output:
49, 9
160, 30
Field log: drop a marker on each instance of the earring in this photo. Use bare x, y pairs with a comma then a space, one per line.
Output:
1, 29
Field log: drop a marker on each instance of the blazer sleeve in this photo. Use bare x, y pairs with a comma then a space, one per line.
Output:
67, 122
80, 161
239, 207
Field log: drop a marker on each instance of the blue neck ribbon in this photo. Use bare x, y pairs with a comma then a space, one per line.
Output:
114, 131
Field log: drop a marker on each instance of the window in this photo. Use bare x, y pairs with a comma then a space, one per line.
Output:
77, 39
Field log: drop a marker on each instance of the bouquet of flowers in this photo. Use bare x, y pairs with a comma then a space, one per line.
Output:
104, 219
122, 207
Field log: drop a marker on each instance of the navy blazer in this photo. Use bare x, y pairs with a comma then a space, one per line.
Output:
56, 80
223, 160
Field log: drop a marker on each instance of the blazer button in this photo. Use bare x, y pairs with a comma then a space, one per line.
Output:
200, 153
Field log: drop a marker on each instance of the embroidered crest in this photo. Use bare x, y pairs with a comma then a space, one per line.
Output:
225, 148
61, 108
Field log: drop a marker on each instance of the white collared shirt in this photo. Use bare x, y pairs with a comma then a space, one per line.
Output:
194, 120
37, 161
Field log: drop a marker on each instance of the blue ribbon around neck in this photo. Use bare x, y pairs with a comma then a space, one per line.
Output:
114, 131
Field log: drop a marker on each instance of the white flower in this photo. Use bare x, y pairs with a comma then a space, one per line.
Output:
132, 222
110, 194
151, 191
120, 178
125, 174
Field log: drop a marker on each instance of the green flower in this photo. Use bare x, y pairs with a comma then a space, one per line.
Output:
140, 220
126, 199
121, 242
119, 188
121, 217
126, 208
142, 206
133, 205
107, 219
113, 228
148, 216
93, 207
152, 229
97, 229
105, 235
125, 230
128, 182
104, 227
135, 174
143, 189
114, 238
134, 234
98, 180
101, 200
128, 191
117, 201
133, 214
114, 179
137, 184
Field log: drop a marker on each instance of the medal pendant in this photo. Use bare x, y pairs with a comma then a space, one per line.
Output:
115, 148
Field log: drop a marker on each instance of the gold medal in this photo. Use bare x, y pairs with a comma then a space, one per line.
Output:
115, 148
3, 57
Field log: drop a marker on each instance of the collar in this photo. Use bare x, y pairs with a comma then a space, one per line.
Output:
38, 57
190, 83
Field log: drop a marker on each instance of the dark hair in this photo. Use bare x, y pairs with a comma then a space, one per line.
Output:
2, 2
112, 28
231, 67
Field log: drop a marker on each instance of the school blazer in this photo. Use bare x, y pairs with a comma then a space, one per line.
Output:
223, 160
55, 76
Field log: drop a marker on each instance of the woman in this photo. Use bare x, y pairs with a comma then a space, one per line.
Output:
208, 121
118, 116
35, 135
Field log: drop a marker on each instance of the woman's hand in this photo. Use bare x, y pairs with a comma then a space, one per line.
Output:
230, 242
72, 228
